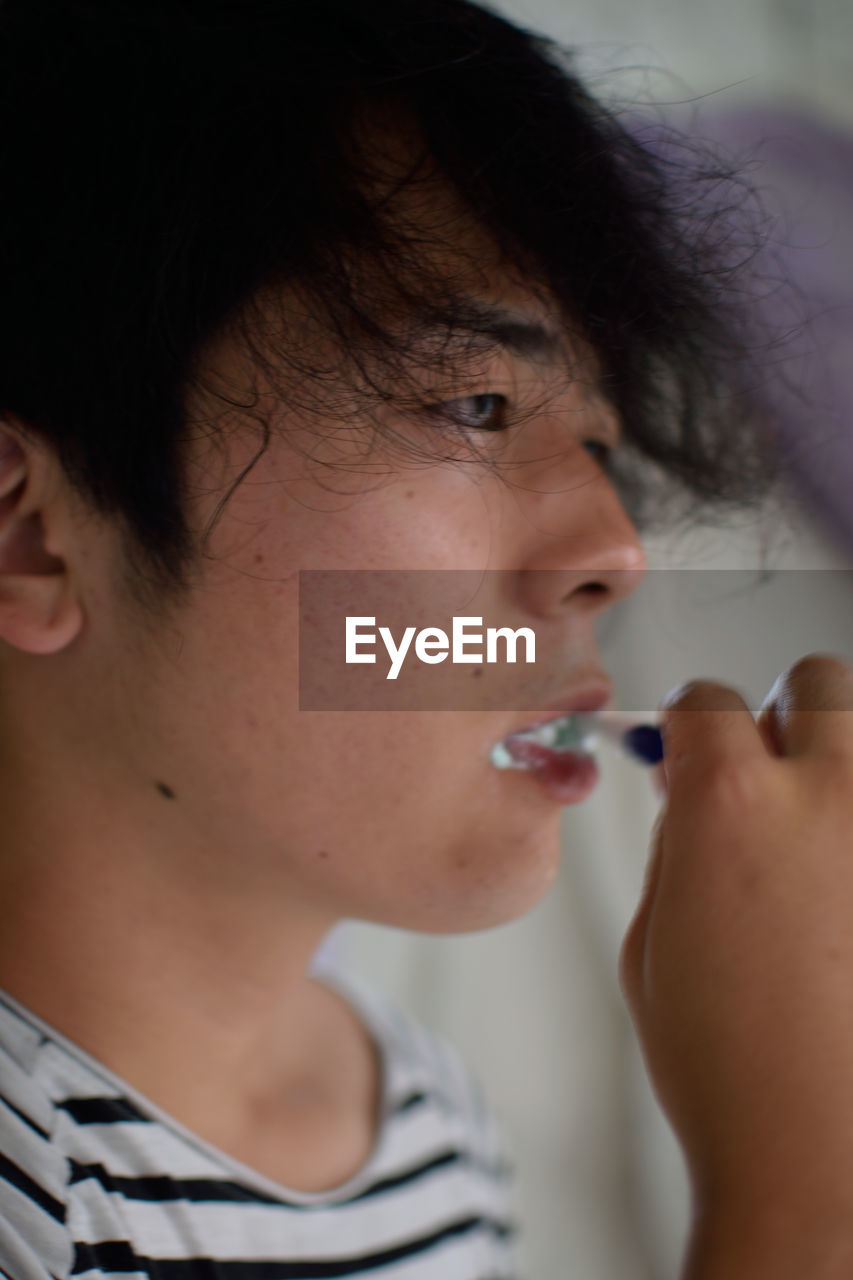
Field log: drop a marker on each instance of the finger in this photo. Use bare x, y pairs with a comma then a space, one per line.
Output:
704, 723
810, 707
633, 949
765, 722
657, 776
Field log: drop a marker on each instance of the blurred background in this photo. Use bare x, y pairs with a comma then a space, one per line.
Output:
534, 1007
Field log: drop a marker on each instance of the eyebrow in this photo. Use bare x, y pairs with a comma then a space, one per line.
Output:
511, 330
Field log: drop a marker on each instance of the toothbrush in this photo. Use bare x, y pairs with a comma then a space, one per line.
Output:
640, 740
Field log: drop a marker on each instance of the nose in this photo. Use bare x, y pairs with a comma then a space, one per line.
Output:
585, 554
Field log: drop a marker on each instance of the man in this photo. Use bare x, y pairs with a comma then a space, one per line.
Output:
327, 290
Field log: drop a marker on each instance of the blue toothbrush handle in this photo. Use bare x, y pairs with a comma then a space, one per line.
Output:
644, 743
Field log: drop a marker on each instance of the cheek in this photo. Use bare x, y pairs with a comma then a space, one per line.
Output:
420, 517
386, 816
390, 824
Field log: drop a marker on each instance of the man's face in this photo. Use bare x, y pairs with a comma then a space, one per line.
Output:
389, 815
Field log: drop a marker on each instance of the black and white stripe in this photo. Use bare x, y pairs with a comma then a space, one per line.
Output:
95, 1181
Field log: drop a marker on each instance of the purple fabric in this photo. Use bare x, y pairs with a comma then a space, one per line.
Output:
802, 167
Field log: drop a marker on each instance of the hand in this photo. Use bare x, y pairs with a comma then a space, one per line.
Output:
738, 970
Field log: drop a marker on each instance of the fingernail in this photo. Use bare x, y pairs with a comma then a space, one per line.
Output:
674, 694
772, 694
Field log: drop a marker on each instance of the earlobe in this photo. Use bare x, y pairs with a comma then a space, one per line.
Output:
36, 616
39, 610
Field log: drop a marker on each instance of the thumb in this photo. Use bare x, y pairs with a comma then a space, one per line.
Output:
633, 950
657, 777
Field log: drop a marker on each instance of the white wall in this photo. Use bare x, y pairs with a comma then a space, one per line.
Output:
791, 50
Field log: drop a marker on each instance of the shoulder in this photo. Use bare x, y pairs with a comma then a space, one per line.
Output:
438, 1134
34, 1241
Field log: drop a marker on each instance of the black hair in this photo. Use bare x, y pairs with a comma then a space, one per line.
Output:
164, 162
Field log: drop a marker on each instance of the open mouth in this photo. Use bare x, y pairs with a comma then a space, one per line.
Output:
575, 734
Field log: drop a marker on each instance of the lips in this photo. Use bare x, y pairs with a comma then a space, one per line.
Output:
566, 772
593, 697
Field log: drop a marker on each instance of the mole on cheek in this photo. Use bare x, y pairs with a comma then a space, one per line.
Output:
322, 853
165, 791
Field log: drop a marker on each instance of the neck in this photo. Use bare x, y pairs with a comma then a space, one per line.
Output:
188, 981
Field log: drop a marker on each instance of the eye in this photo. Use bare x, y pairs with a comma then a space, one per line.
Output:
478, 413
600, 450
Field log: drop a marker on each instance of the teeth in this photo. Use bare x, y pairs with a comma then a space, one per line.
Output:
546, 735
501, 758
568, 733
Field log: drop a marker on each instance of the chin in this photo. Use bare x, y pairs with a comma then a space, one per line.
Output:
490, 884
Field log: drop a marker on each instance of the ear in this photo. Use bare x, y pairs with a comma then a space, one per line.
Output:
39, 608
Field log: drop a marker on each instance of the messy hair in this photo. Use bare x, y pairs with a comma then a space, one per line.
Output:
167, 162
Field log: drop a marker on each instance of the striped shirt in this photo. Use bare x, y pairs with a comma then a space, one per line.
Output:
96, 1181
